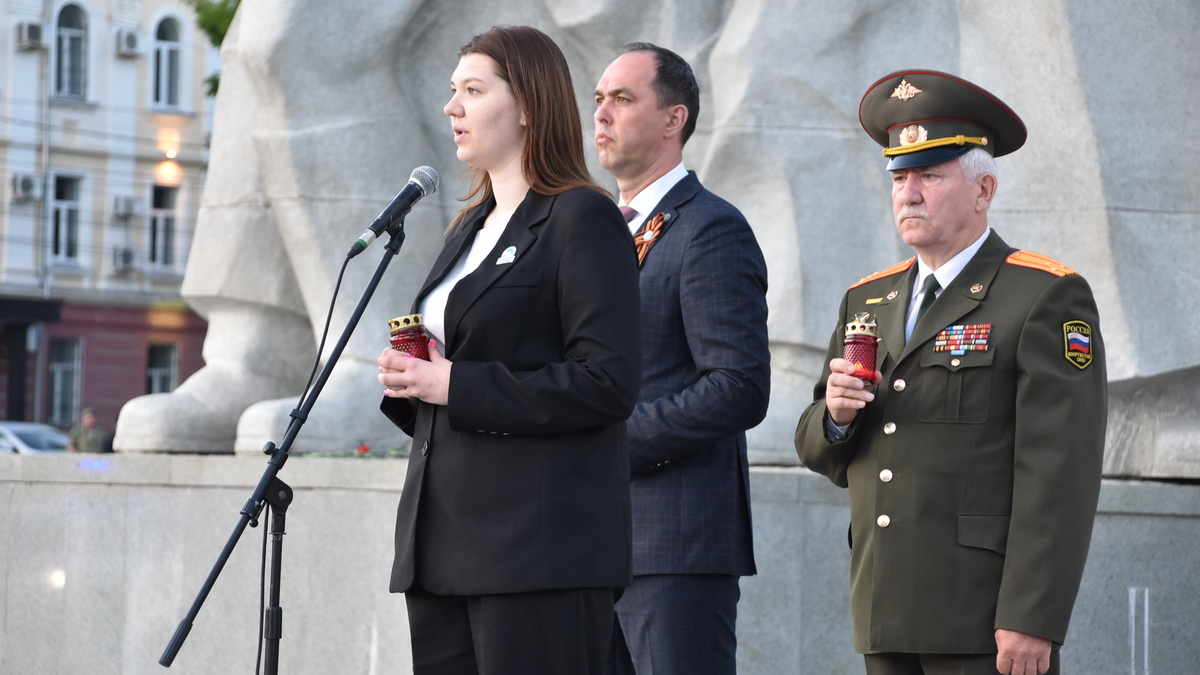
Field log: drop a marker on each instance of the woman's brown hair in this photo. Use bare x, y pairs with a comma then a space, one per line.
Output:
536, 71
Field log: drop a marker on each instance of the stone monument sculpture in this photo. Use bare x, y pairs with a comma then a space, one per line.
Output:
325, 108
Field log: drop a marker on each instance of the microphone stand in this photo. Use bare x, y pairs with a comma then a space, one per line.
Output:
271, 490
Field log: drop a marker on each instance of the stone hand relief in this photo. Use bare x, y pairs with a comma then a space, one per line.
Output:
325, 108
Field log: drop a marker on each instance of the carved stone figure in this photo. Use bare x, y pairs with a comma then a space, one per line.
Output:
325, 109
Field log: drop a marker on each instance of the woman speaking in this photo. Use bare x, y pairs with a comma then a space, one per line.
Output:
513, 529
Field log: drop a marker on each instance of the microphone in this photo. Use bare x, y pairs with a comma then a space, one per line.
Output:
423, 182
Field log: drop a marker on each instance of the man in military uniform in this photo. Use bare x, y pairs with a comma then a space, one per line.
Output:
973, 457
86, 436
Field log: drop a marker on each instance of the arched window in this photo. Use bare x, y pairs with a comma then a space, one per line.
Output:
70, 50
166, 64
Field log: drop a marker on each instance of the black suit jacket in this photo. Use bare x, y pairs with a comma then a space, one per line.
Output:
706, 380
521, 482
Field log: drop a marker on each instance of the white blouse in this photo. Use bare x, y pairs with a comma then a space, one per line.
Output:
433, 306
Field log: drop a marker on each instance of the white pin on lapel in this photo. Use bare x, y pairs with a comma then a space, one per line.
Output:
509, 255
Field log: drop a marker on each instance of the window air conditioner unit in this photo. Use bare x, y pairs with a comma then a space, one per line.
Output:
25, 187
129, 42
125, 207
124, 259
29, 36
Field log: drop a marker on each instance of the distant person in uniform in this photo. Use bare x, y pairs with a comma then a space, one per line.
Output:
973, 458
86, 436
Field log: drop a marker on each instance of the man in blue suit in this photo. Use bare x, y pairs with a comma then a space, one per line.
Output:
706, 375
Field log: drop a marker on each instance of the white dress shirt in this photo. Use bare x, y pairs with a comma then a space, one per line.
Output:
645, 201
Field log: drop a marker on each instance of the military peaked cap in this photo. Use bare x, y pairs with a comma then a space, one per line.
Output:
925, 117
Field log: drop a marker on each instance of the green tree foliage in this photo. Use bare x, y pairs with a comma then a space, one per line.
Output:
213, 17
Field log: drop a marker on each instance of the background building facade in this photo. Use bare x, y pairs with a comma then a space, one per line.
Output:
104, 127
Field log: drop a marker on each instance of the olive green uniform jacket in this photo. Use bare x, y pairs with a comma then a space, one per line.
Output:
973, 475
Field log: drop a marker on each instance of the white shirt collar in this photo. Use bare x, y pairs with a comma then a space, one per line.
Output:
947, 272
645, 201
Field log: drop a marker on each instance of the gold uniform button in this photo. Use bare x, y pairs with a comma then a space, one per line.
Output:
955, 362
883, 521
885, 475
899, 385
889, 428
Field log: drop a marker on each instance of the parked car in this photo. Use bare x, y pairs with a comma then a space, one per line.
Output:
31, 438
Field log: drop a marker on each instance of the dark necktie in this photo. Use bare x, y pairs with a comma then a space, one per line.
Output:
931, 289
629, 213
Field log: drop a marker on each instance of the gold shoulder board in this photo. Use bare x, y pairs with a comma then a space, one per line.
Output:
1038, 261
894, 269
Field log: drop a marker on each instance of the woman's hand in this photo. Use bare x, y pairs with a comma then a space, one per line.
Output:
405, 376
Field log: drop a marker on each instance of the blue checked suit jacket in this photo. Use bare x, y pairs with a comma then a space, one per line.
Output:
706, 379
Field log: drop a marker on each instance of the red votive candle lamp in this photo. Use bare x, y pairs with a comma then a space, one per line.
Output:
408, 335
860, 345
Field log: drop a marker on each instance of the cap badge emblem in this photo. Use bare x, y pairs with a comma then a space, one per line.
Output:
913, 134
905, 91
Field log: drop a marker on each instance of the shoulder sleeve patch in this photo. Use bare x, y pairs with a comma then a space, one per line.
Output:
894, 269
1077, 343
1038, 261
